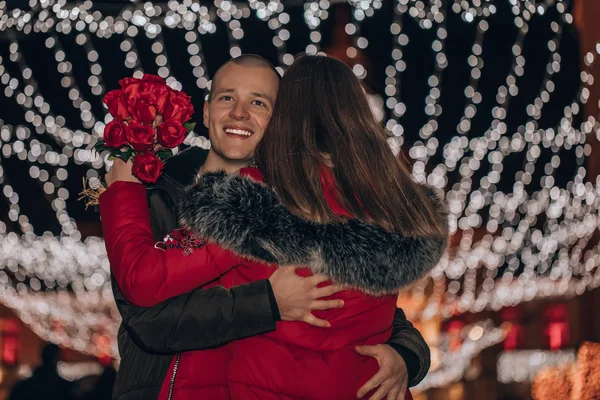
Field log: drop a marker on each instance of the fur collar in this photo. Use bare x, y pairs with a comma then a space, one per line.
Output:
246, 217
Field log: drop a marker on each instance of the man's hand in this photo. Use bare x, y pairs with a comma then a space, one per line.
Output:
120, 171
297, 296
392, 377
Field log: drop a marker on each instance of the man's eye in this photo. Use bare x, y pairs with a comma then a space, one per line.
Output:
226, 98
259, 103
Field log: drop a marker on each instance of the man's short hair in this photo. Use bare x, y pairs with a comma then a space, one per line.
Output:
247, 60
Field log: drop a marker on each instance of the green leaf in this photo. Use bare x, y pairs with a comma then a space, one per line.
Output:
100, 146
189, 126
164, 153
123, 153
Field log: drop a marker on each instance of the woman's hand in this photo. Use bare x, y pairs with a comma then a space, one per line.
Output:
120, 171
392, 377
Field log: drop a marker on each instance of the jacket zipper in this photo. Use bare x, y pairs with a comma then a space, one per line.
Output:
172, 384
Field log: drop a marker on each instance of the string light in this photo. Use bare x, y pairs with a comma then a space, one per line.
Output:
86, 321
75, 371
422, 151
277, 21
231, 16
523, 365
69, 371
68, 81
54, 181
556, 203
197, 62
314, 13
455, 364
362, 9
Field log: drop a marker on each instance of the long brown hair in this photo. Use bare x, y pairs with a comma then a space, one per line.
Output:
322, 117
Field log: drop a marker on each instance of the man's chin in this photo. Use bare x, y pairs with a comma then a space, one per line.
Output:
237, 156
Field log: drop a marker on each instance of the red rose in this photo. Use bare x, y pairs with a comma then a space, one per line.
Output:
179, 107
117, 104
133, 86
147, 167
171, 133
161, 97
115, 134
127, 81
140, 137
146, 97
153, 78
142, 107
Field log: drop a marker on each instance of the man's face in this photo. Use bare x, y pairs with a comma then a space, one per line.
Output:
239, 110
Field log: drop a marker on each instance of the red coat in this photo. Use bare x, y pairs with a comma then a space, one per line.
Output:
297, 361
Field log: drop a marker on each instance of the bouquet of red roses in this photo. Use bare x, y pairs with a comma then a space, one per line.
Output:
150, 119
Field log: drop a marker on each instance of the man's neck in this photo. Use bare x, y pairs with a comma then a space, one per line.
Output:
214, 163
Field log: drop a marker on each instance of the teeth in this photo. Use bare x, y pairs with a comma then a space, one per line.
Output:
238, 132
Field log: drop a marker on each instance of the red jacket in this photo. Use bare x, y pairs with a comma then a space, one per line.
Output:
297, 361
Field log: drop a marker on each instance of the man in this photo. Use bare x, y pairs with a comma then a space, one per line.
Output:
236, 114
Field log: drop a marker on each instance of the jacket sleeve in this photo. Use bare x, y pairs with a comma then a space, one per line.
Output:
200, 319
409, 343
146, 274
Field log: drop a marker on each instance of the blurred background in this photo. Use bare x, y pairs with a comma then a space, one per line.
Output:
492, 101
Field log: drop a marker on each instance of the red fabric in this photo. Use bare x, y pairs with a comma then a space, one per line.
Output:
148, 272
297, 361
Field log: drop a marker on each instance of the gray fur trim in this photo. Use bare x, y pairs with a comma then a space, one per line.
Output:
246, 217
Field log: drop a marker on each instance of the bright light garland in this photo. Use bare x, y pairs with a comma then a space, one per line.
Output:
87, 321
555, 259
522, 366
314, 13
455, 364
392, 88
68, 371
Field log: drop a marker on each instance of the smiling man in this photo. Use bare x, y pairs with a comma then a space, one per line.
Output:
236, 114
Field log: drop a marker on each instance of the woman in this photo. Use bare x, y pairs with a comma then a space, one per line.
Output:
328, 193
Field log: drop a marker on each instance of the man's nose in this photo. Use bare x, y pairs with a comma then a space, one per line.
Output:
240, 112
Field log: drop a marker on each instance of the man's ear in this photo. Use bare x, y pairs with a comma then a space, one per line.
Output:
205, 113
